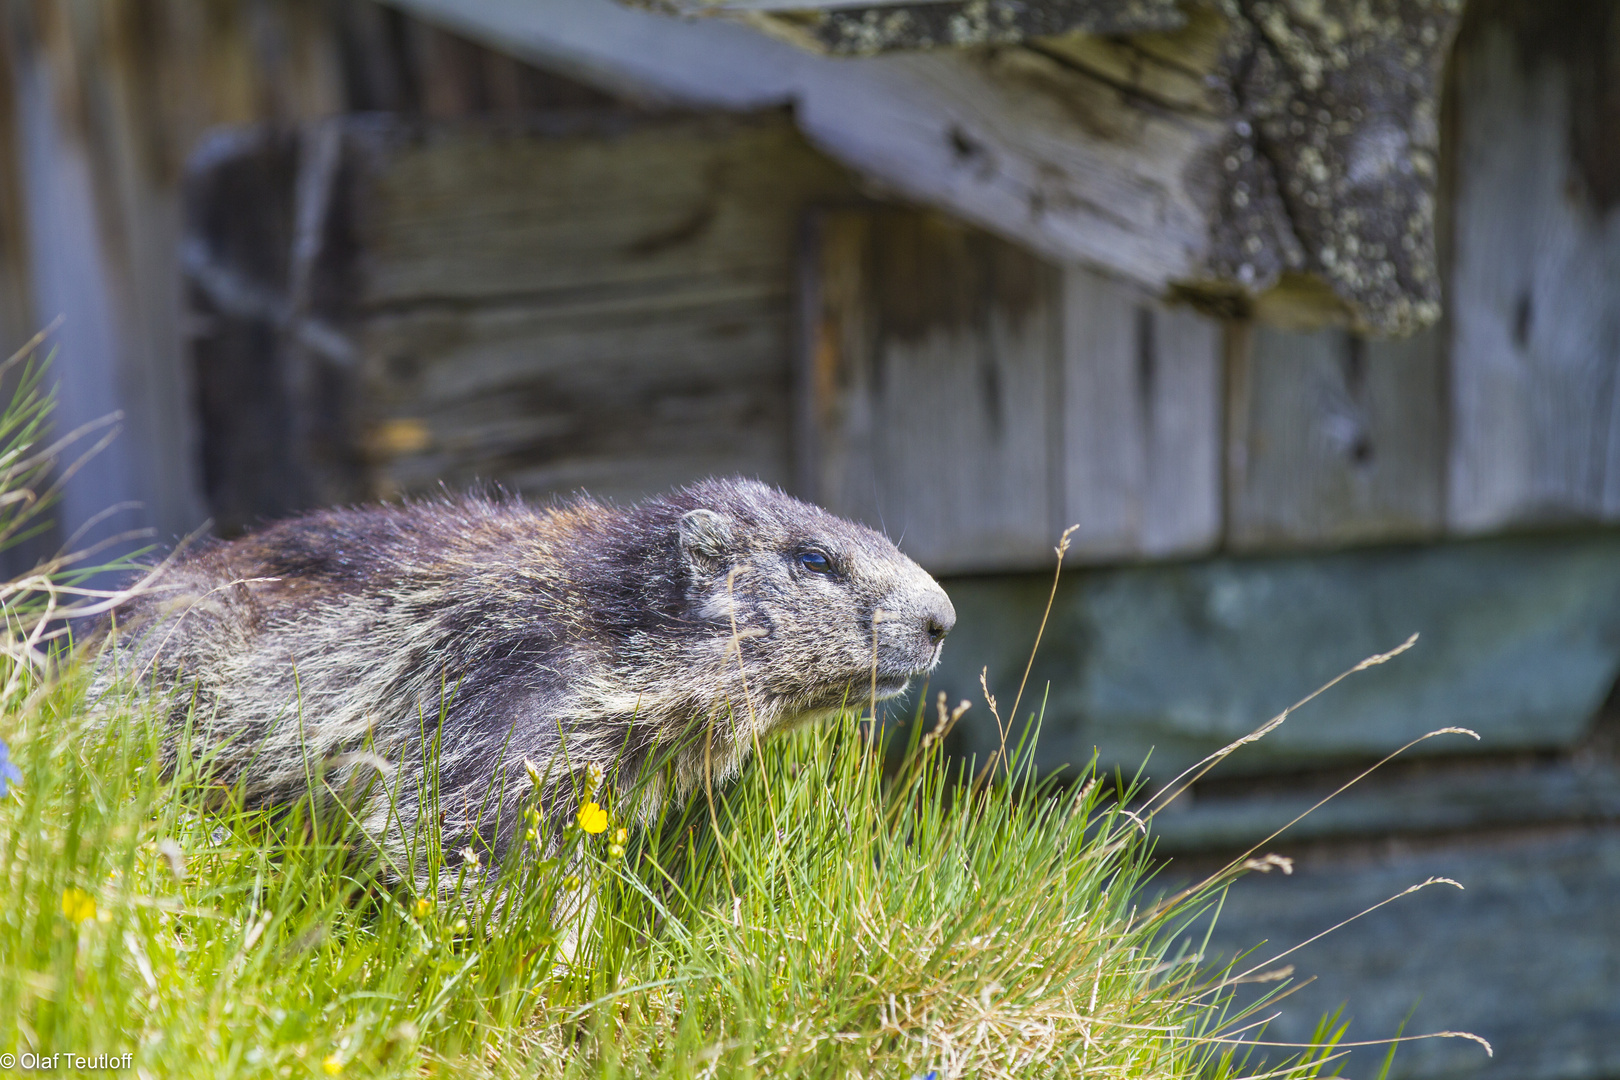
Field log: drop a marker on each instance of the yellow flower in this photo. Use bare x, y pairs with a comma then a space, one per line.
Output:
592, 818
424, 907
620, 834
331, 1064
78, 905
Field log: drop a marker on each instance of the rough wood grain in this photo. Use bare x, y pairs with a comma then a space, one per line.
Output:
1140, 423
574, 303
1172, 68
931, 357
464, 213
866, 28
1334, 439
103, 104
571, 301
1012, 140
1535, 398
618, 396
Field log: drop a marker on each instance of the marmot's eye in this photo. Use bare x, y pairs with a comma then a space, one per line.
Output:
815, 562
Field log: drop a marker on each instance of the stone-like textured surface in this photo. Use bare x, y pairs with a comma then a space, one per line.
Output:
1527, 955
1336, 133
1521, 641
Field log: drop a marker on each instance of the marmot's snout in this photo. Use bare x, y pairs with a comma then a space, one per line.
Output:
911, 625
927, 615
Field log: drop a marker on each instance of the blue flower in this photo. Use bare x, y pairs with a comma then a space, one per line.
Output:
8, 772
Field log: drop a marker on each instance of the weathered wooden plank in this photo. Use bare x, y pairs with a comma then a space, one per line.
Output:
584, 205
107, 100
1450, 797
72, 269
1334, 439
571, 302
1141, 423
1517, 643
609, 312
930, 365
1527, 954
1536, 341
618, 396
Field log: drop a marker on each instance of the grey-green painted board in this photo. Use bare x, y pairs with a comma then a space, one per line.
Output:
1520, 641
1526, 955
1447, 797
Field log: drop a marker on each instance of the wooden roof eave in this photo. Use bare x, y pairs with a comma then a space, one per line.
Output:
1217, 165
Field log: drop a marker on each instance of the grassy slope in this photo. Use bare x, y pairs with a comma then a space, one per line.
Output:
845, 925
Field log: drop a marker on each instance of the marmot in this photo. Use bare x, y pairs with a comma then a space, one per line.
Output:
572, 635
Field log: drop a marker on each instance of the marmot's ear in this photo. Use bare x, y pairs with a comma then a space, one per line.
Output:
705, 536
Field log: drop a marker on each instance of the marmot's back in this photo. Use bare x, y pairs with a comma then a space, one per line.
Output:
509, 632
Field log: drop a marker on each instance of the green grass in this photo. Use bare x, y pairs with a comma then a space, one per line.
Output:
825, 915
828, 919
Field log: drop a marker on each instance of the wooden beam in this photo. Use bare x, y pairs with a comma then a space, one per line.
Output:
1302, 158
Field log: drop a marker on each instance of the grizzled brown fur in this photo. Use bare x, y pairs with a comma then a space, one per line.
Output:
582, 633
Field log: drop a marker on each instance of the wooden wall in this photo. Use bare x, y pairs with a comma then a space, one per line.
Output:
1161, 431
102, 102
979, 401
988, 406
593, 301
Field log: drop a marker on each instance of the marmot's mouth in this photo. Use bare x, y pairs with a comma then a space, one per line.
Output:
890, 685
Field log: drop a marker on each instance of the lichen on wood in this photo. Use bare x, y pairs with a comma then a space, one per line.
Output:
1331, 167
867, 30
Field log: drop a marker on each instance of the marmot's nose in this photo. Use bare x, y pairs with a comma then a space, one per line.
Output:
938, 622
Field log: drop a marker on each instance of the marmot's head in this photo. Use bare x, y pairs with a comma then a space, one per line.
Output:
820, 603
